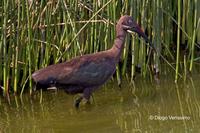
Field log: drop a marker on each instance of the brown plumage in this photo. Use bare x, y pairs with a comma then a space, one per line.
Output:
86, 73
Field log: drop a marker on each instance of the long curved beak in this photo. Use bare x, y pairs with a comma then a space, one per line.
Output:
140, 32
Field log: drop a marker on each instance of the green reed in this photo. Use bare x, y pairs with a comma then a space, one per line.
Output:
178, 40
194, 35
4, 54
36, 34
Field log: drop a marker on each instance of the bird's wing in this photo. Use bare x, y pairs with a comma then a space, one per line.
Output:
90, 70
84, 70
51, 74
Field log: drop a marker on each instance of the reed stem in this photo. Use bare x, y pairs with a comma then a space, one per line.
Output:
178, 41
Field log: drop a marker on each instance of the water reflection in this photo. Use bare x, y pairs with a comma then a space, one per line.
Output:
139, 106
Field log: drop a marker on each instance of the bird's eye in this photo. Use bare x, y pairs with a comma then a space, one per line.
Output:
130, 21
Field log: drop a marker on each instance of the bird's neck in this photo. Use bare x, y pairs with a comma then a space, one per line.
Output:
118, 45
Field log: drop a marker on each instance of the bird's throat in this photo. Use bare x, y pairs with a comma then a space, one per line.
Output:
118, 45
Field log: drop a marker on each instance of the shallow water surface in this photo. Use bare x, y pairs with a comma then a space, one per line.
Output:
139, 106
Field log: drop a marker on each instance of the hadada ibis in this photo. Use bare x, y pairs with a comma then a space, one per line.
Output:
86, 73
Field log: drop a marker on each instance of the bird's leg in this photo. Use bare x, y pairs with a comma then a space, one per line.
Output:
85, 97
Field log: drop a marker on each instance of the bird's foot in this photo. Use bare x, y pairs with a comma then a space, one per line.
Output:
80, 100
77, 102
85, 101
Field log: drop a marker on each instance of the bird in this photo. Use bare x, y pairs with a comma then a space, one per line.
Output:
84, 74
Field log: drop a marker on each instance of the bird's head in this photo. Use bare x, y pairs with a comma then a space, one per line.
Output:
128, 24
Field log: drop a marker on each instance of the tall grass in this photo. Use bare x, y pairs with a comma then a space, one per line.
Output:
35, 34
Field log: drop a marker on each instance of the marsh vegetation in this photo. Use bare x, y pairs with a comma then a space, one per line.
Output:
35, 34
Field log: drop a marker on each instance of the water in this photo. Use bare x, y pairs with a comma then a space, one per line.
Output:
140, 106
